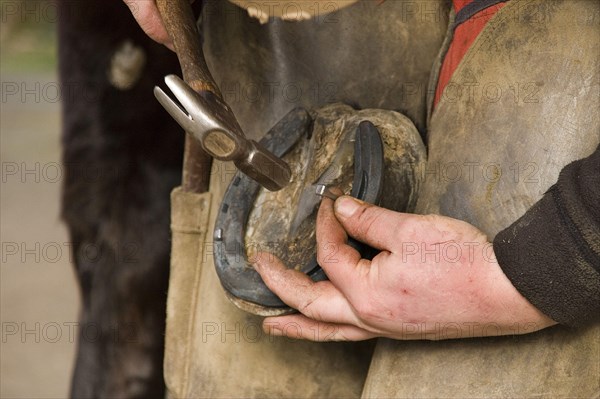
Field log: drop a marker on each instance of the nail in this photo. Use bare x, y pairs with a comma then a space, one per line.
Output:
327, 192
346, 206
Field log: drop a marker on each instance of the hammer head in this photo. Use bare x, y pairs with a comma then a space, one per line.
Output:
211, 121
270, 171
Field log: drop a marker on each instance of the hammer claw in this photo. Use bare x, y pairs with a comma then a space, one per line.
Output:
186, 96
211, 121
174, 109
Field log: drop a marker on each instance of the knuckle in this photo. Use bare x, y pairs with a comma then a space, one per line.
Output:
307, 308
326, 253
366, 310
309, 297
367, 220
430, 218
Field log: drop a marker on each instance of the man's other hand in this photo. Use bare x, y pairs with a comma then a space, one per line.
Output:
146, 14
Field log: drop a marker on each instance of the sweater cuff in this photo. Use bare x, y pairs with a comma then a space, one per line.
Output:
538, 256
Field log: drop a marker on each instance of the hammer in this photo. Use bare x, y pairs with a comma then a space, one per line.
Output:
205, 115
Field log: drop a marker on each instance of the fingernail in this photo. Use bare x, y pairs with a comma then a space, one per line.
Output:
346, 206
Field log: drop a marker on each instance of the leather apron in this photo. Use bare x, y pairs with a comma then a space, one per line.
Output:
522, 104
369, 56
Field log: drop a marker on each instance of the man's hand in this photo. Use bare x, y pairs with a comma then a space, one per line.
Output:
146, 14
435, 278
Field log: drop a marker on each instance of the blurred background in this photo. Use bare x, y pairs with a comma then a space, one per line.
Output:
38, 293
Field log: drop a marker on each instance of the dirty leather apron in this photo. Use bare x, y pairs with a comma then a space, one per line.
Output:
522, 104
374, 56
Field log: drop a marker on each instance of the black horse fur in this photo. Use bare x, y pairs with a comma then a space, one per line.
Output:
122, 156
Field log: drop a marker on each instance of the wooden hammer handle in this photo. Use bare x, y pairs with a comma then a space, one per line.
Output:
178, 17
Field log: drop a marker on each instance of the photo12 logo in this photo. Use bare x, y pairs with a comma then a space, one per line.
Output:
37, 92
66, 332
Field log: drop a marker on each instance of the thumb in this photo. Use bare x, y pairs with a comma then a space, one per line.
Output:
370, 224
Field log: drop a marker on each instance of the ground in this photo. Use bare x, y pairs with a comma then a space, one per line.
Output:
39, 298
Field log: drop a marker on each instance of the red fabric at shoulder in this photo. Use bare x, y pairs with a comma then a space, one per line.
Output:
464, 36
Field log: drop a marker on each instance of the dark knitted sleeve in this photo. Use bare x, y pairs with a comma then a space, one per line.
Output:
552, 253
